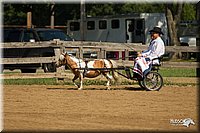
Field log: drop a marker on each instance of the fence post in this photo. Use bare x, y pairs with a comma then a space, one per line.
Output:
99, 54
58, 52
120, 55
102, 53
60, 70
126, 54
80, 51
29, 19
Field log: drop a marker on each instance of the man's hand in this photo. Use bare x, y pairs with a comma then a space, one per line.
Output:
139, 54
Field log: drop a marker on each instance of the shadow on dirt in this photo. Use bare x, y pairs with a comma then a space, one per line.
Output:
99, 88
133, 89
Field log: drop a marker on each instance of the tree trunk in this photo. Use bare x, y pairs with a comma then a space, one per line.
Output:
173, 19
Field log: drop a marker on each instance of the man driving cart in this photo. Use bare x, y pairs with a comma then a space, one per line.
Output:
145, 59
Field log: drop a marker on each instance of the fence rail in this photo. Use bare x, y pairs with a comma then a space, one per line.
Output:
31, 60
101, 48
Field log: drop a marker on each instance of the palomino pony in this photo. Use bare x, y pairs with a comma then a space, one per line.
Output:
79, 68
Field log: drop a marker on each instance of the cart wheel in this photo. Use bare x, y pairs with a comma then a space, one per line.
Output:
153, 81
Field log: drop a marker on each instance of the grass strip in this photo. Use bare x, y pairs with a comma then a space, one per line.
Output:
178, 72
53, 81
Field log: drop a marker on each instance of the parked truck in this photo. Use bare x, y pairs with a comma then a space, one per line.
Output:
12, 35
188, 34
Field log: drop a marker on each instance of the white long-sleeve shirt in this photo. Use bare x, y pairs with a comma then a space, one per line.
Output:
155, 49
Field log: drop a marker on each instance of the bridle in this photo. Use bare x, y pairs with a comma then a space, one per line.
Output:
64, 61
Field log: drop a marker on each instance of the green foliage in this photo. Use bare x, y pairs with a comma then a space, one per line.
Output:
12, 16
40, 14
140, 8
100, 9
64, 12
189, 12
15, 14
127, 8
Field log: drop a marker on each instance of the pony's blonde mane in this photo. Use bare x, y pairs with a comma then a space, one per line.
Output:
74, 58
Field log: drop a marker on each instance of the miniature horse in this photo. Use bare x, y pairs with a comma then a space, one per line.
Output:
79, 68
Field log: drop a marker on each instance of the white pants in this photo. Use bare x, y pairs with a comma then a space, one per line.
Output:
141, 64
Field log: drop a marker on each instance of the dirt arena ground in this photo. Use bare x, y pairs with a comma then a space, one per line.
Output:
125, 108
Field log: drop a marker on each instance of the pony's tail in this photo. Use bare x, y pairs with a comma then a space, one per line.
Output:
114, 73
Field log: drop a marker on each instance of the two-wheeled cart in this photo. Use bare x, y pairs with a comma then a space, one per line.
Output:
151, 81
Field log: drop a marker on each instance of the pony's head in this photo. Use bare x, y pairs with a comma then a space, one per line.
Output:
62, 60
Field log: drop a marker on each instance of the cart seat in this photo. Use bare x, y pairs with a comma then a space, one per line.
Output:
156, 63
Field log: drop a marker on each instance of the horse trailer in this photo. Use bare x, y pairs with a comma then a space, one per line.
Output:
132, 28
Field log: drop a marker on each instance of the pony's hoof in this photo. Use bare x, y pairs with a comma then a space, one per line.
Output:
108, 88
79, 88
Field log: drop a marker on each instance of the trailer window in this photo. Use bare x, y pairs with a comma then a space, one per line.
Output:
115, 24
74, 26
90, 25
102, 24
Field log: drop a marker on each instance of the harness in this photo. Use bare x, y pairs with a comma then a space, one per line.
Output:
86, 68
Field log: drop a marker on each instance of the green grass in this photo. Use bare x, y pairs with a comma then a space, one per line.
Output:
178, 72
165, 72
53, 81
36, 81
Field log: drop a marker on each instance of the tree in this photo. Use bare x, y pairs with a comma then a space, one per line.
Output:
12, 16
15, 14
99, 9
41, 14
189, 12
126, 8
173, 15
